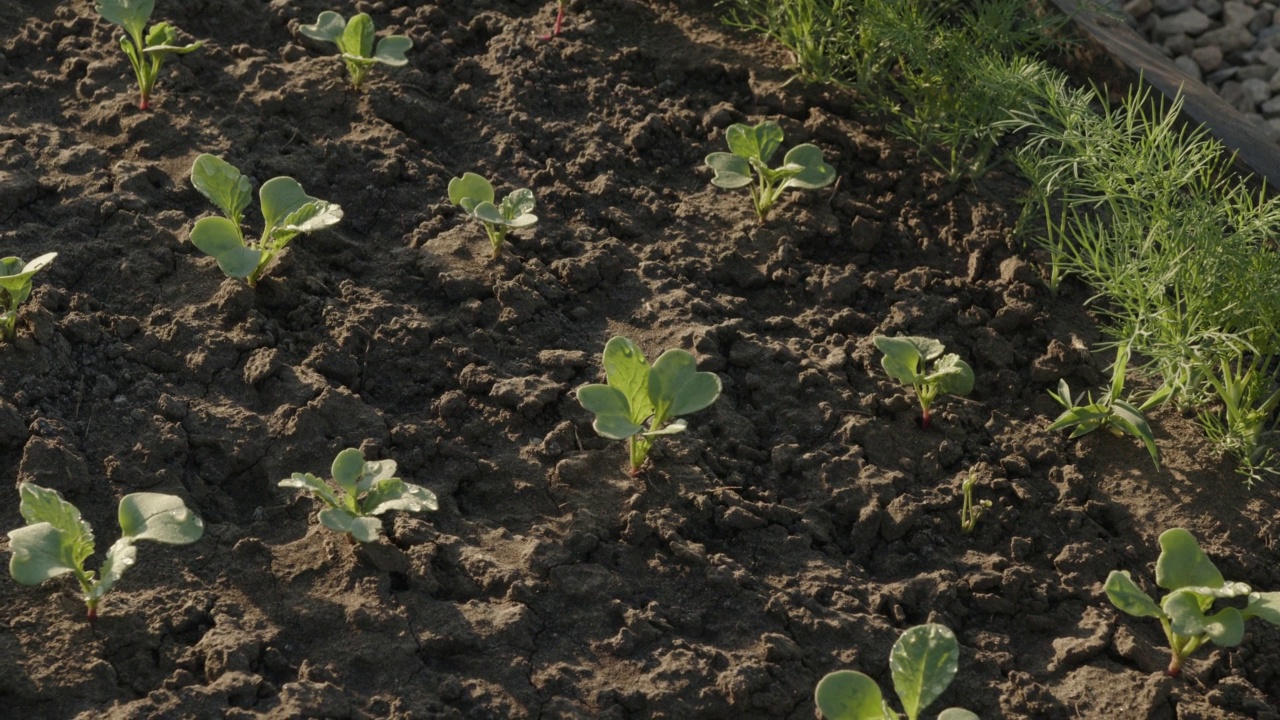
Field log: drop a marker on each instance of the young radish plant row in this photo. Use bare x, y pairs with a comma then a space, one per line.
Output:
1097, 229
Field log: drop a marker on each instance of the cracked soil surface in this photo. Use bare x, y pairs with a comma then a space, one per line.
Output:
800, 525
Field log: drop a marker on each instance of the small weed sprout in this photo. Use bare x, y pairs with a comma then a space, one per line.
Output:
750, 151
1194, 583
368, 489
1243, 427
1119, 417
147, 52
475, 196
923, 662
355, 41
969, 512
637, 394
905, 360
57, 541
15, 288
287, 210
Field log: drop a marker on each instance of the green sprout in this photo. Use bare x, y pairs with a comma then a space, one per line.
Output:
969, 512
923, 662
1194, 583
1249, 399
751, 148
1119, 417
368, 489
57, 541
15, 288
287, 210
637, 394
355, 41
905, 360
475, 196
147, 52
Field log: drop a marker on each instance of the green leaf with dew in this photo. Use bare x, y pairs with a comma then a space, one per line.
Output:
159, 518
849, 695
923, 662
1182, 563
1128, 597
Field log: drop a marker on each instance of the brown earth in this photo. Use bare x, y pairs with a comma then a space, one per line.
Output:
800, 525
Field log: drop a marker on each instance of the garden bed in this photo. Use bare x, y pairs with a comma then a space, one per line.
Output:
800, 525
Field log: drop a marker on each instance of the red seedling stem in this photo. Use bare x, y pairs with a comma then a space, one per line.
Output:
559, 20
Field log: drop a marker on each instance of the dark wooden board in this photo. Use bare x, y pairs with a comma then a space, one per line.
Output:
1256, 152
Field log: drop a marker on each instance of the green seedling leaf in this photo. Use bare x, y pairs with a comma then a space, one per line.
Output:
750, 149
391, 50
902, 360
57, 541
471, 187
1264, 605
475, 196
731, 171
612, 411
355, 41
39, 553
362, 529
130, 14
953, 375
121, 556
1131, 421
637, 393
286, 208
627, 370
957, 714
1225, 628
759, 142
396, 494
1187, 610
220, 238
849, 695
811, 172
223, 185
160, 518
1182, 563
327, 28
1128, 597
677, 388
368, 488
357, 38
923, 662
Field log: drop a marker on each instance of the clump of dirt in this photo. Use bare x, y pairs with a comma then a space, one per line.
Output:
800, 525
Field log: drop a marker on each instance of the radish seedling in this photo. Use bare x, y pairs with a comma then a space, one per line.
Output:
146, 52
923, 662
559, 19
287, 210
905, 359
57, 541
355, 41
637, 393
751, 148
1194, 583
1119, 417
475, 195
15, 288
368, 489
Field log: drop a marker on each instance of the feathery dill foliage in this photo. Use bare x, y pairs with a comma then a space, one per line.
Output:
1147, 212
946, 71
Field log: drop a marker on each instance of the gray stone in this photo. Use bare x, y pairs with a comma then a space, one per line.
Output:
1271, 108
1236, 14
1190, 22
1179, 44
1169, 7
1228, 38
1274, 82
1257, 91
1209, 58
1270, 57
1274, 124
1188, 66
1217, 77
1233, 93
1254, 72
1209, 7
1138, 8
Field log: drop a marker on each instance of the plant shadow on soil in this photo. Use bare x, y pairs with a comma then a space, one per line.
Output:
797, 528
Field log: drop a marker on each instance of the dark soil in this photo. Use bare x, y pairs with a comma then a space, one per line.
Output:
800, 525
